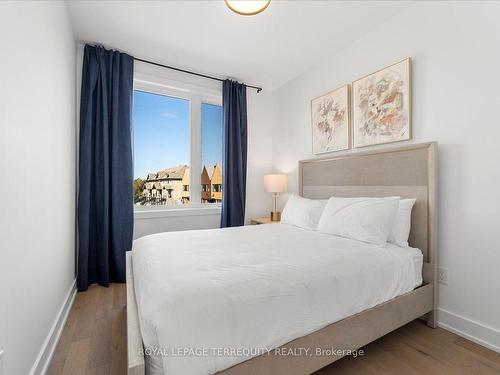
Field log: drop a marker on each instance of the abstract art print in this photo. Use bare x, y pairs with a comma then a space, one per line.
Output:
382, 106
330, 121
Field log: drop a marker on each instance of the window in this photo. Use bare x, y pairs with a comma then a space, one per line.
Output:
177, 146
211, 152
161, 148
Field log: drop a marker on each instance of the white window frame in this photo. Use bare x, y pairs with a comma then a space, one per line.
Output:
196, 95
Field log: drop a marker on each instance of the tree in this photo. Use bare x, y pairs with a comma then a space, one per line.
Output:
138, 189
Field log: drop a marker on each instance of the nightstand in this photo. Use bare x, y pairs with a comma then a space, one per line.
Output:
263, 220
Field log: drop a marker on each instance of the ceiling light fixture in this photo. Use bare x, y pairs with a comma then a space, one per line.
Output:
247, 7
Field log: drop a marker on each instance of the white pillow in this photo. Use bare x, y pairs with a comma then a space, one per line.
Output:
402, 224
302, 212
363, 219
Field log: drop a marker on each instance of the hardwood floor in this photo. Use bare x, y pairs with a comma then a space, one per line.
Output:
94, 341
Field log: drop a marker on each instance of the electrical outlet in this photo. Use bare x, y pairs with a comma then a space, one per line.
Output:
443, 276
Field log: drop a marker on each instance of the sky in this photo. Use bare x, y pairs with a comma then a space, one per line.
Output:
161, 133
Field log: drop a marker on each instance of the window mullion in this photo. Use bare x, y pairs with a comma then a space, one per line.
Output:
195, 170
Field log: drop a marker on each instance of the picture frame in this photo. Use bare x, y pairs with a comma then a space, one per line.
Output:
381, 106
331, 121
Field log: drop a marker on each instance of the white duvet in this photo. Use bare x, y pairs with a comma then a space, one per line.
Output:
201, 293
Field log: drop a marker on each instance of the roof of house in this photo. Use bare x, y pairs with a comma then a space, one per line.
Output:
216, 177
210, 171
173, 173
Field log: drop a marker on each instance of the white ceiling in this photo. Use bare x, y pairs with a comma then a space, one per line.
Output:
268, 49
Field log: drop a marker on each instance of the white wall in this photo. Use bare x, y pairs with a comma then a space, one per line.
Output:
455, 49
37, 165
259, 159
156, 222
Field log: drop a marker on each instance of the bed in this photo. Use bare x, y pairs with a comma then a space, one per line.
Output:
264, 287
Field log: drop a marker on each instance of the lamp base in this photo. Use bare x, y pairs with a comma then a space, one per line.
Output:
275, 216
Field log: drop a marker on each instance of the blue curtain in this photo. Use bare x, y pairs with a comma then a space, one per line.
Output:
234, 104
105, 201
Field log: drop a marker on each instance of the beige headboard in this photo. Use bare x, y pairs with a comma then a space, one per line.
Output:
408, 172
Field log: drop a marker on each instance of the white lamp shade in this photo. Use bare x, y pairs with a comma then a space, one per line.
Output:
275, 183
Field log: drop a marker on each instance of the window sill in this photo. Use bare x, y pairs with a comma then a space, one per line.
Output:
162, 212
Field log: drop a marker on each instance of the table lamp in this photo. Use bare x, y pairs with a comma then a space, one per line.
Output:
275, 183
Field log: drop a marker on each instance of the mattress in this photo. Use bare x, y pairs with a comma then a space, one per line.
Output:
209, 299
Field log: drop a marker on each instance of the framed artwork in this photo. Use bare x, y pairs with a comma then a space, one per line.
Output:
330, 118
382, 106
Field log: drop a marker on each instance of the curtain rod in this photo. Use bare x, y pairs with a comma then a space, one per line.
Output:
259, 89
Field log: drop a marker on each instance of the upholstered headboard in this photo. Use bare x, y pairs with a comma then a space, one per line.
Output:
408, 172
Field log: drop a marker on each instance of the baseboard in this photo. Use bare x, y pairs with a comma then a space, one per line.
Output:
42, 362
474, 331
